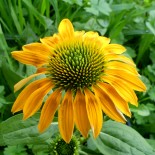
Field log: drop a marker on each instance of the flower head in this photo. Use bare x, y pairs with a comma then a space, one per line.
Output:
60, 147
88, 76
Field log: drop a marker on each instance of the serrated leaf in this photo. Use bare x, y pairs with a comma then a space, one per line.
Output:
151, 106
119, 139
151, 93
40, 149
15, 131
150, 72
91, 24
98, 6
143, 110
146, 82
15, 150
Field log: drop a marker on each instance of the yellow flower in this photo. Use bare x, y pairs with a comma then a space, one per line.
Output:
87, 75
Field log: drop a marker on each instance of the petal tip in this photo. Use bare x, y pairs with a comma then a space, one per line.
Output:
25, 117
41, 129
66, 28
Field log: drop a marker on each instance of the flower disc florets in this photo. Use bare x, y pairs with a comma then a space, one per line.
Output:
76, 65
63, 148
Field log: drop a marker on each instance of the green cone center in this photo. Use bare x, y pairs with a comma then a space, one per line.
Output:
76, 65
62, 148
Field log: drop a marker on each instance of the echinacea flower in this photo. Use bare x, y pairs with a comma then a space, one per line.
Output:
87, 76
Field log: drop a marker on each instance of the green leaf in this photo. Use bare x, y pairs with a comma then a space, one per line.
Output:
4, 48
151, 93
16, 131
131, 52
10, 74
151, 142
28, 35
152, 54
1, 90
15, 150
146, 82
144, 44
5, 14
150, 72
120, 139
98, 6
2, 98
150, 27
143, 110
40, 149
151, 106
46, 22
116, 30
71, 2
122, 6
56, 9
15, 18
91, 24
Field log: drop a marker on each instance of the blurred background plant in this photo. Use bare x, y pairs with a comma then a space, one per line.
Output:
127, 22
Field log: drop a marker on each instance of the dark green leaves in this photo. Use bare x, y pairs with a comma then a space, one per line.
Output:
15, 131
119, 139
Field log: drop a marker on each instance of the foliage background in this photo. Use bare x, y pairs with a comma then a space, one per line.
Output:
127, 22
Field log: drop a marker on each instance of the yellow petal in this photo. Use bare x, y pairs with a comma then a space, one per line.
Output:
108, 106
34, 101
119, 102
121, 58
21, 83
66, 117
122, 88
94, 112
41, 70
79, 33
24, 95
37, 48
90, 35
114, 49
66, 29
80, 114
30, 58
121, 66
102, 41
49, 109
133, 81
51, 42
